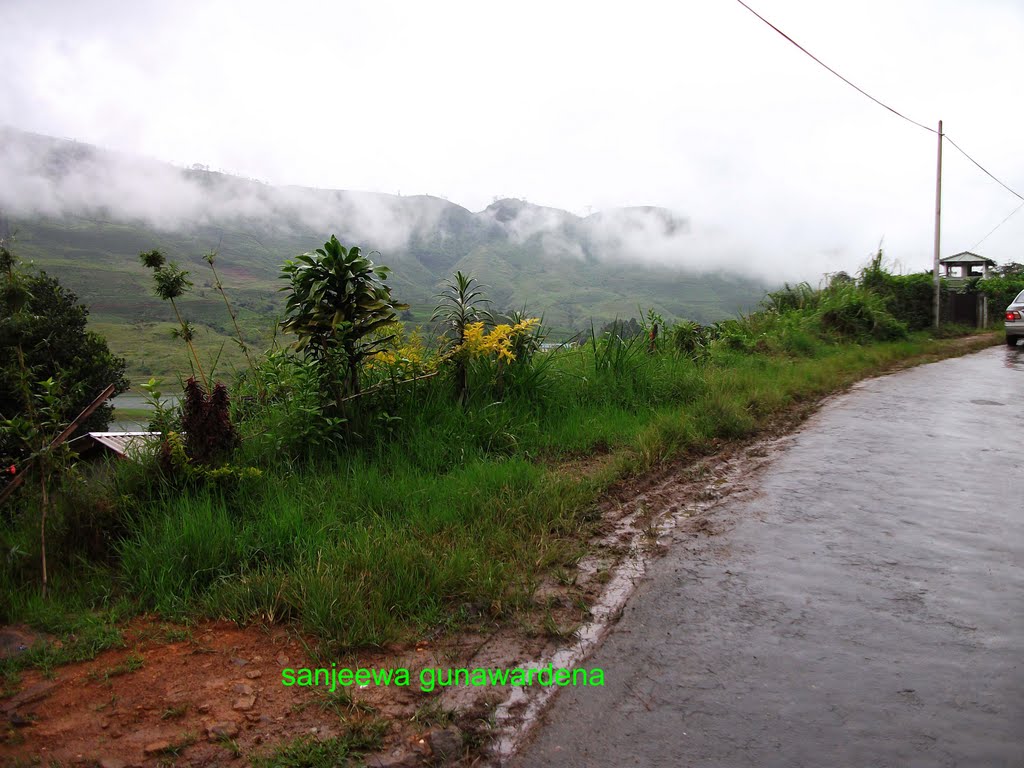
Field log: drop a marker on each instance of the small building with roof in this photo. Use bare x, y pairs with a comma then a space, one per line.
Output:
965, 305
965, 266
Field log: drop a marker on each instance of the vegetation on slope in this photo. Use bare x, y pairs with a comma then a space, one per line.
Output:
364, 511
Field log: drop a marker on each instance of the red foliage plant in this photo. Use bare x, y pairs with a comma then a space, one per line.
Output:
210, 437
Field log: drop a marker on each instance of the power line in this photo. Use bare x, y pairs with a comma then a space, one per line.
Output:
1011, 191
997, 226
826, 66
900, 114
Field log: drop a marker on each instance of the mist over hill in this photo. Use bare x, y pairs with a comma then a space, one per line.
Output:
84, 213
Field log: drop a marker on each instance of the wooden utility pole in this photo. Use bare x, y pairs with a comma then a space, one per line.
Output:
938, 227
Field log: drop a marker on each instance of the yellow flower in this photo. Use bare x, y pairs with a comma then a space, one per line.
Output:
502, 342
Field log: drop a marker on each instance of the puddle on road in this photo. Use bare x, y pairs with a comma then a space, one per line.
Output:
1014, 358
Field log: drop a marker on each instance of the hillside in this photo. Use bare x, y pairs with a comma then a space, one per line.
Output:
84, 213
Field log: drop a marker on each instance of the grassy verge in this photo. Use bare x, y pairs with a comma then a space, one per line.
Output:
450, 508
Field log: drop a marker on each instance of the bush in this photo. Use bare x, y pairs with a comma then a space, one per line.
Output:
799, 297
908, 298
1000, 292
690, 340
855, 313
210, 437
43, 335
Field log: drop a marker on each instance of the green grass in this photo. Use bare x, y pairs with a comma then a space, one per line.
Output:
150, 351
360, 736
421, 506
385, 526
376, 544
82, 632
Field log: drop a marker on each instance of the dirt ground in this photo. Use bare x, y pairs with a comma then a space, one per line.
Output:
212, 694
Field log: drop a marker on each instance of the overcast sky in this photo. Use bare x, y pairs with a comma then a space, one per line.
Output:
694, 105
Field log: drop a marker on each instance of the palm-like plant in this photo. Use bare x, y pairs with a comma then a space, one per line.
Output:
460, 303
338, 299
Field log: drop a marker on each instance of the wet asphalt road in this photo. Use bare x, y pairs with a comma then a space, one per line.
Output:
865, 607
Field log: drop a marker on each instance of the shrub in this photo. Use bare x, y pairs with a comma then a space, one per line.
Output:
1000, 292
210, 437
690, 340
339, 298
908, 298
852, 312
799, 297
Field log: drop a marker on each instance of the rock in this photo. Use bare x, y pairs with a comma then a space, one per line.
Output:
112, 762
282, 659
20, 722
226, 729
239, 662
242, 688
203, 709
156, 747
446, 744
244, 703
252, 674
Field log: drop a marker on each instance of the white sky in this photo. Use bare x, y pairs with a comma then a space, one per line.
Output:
694, 105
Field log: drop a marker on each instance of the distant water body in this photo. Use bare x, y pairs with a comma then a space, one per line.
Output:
132, 423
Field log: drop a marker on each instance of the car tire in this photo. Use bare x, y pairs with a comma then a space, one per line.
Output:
1011, 341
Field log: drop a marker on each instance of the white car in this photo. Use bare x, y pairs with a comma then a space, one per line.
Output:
1015, 321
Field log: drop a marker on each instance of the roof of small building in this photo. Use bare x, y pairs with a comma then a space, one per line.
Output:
966, 257
118, 442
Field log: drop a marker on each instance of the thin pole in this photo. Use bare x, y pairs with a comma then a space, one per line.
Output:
938, 225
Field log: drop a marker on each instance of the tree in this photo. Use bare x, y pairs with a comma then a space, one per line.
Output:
624, 329
43, 337
169, 283
338, 299
1010, 269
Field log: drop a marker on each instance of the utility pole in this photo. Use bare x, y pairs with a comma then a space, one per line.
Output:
938, 226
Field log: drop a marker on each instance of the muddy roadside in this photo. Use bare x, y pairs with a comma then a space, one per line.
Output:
212, 693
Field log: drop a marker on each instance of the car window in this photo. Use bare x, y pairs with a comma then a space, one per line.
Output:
1019, 299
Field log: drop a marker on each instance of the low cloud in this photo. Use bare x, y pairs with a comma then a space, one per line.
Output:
55, 177
48, 177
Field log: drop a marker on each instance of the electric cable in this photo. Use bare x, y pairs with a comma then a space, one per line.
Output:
900, 114
826, 66
987, 172
997, 226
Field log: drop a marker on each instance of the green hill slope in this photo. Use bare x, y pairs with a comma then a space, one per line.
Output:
84, 214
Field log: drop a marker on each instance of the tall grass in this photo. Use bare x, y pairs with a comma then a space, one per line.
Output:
425, 507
